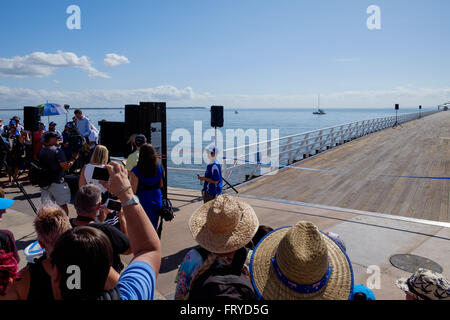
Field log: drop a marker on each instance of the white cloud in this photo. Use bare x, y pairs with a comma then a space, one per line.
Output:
41, 64
113, 60
408, 96
96, 97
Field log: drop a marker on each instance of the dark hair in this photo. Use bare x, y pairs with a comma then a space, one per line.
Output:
77, 111
90, 250
148, 161
261, 233
360, 296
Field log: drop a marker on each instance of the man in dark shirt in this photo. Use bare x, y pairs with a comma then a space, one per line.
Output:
53, 160
87, 204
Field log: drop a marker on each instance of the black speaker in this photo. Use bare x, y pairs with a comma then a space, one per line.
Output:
112, 136
150, 112
131, 120
217, 116
397, 107
31, 118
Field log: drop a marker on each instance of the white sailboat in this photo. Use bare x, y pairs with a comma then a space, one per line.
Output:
319, 111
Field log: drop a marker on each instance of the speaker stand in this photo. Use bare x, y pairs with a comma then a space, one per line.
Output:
396, 124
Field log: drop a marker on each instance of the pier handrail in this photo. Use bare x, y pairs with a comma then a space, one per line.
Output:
239, 166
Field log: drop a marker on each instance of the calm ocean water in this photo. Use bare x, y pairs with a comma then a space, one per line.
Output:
288, 121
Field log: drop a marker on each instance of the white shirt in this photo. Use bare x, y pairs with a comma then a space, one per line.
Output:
93, 136
88, 171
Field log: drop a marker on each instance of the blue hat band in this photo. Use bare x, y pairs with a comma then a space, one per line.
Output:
297, 287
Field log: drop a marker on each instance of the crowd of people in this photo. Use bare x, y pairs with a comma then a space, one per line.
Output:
237, 258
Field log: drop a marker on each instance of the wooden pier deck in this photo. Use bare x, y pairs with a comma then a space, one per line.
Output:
418, 148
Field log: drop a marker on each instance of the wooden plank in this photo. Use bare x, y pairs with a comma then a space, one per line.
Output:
415, 149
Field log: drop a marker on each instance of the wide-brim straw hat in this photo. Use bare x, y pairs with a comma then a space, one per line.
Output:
223, 225
301, 263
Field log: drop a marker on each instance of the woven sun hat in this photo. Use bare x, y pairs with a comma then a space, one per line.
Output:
301, 263
425, 284
224, 224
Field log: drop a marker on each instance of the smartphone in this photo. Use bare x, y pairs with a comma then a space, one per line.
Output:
113, 205
100, 174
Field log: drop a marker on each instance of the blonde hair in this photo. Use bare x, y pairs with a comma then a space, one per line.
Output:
51, 222
100, 155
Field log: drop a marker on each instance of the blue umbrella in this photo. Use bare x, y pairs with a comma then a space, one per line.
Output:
51, 109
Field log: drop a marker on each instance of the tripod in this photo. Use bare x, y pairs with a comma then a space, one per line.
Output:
230, 185
396, 124
22, 189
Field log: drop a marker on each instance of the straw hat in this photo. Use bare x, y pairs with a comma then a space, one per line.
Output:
301, 263
224, 224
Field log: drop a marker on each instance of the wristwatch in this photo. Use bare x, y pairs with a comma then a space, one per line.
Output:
131, 202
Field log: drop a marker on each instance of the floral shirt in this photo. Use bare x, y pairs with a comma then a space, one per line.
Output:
191, 263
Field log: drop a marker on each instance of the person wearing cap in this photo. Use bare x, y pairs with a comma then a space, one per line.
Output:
425, 284
212, 186
19, 125
301, 263
54, 161
38, 139
52, 128
133, 158
221, 227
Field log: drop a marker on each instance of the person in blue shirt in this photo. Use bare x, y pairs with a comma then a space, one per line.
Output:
83, 124
81, 258
212, 186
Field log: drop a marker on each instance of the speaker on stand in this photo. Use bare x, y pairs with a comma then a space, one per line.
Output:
396, 124
216, 120
31, 118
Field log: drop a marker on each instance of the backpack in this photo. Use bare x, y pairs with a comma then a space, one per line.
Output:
224, 283
39, 176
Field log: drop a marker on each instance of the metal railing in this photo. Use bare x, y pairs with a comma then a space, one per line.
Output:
243, 163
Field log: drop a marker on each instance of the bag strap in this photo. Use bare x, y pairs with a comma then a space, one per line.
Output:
240, 256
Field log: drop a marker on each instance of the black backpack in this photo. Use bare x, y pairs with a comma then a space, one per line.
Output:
39, 176
224, 283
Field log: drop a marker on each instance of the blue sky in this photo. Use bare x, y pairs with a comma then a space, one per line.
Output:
249, 53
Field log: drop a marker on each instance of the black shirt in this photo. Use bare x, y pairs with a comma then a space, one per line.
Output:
119, 242
40, 282
50, 159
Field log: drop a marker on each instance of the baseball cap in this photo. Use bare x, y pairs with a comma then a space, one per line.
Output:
52, 123
213, 149
140, 140
12, 122
5, 203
